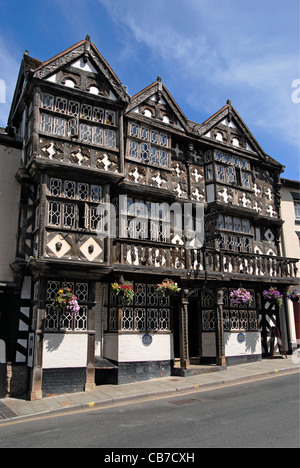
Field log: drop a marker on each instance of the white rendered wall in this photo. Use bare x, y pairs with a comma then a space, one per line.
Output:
130, 348
62, 350
251, 345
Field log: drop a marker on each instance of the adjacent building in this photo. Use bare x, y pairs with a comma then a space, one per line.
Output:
109, 188
290, 209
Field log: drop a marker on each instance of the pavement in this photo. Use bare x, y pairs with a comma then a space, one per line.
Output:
110, 395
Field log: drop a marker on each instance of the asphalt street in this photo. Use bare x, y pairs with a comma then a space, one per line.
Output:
258, 414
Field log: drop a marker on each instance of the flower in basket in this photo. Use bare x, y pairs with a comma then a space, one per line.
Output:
65, 298
241, 297
167, 288
125, 291
273, 296
294, 295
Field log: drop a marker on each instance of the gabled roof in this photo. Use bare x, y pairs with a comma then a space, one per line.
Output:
157, 88
230, 115
86, 50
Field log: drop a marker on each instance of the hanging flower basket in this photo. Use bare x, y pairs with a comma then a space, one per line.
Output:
273, 296
65, 299
124, 291
167, 288
241, 297
294, 295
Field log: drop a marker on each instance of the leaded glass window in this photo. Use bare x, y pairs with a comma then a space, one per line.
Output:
134, 131
47, 101
73, 108
59, 126
46, 123
98, 135
145, 151
220, 173
85, 132
69, 189
245, 179
69, 214
61, 105
54, 215
86, 112
110, 117
147, 312
144, 133
65, 320
98, 114
133, 149
110, 138
163, 139
164, 158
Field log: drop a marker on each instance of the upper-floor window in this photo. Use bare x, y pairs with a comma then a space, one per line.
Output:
144, 133
148, 145
84, 131
75, 205
236, 234
82, 121
229, 169
297, 210
47, 101
141, 219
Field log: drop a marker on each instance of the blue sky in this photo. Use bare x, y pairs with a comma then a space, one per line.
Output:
206, 51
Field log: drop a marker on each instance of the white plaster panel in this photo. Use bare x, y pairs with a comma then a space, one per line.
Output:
62, 350
131, 348
251, 345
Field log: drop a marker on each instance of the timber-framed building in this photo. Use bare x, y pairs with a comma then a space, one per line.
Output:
84, 145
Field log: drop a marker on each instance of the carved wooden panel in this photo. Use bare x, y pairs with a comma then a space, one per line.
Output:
69, 246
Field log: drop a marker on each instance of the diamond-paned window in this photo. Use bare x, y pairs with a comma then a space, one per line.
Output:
73, 108
61, 105
54, 215
47, 101
69, 214
65, 320
98, 114
83, 191
86, 112
147, 312
69, 189
55, 187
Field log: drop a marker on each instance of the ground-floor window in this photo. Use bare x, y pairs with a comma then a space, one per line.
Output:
147, 312
65, 320
234, 318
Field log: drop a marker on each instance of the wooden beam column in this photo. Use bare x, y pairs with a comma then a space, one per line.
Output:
183, 330
36, 377
220, 345
90, 371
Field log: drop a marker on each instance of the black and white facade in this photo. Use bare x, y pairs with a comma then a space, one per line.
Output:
96, 173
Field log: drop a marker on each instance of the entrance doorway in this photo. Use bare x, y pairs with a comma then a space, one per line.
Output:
194, 324
269, 318
194, 331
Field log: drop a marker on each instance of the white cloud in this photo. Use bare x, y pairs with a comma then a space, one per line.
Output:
243, 49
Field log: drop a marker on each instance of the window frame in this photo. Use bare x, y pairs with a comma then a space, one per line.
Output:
68, 118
